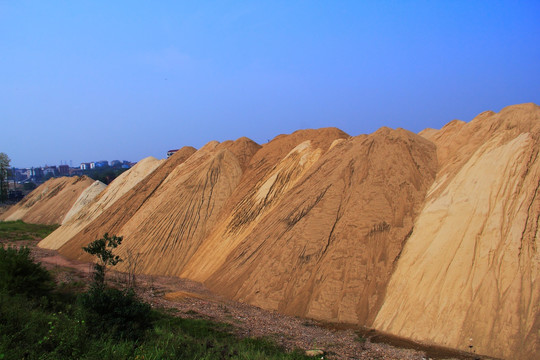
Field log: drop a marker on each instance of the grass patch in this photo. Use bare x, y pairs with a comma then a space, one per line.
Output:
31, 329
59, 321
19, 230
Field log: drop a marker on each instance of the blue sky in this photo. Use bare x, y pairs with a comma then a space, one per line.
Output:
92, 80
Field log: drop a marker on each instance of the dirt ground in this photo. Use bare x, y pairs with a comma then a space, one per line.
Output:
3, 208
191, 299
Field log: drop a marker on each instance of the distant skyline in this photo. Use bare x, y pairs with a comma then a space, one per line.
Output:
96, 80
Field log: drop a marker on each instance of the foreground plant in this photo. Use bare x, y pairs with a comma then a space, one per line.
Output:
19, 274
103, 249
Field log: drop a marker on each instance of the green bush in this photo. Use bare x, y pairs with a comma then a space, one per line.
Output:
103, 249
20, 275
118, 312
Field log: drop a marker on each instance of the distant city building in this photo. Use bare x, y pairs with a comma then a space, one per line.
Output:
49, 171
63, 170
171, 152
19, 174
37, 173
28, 173
127, 164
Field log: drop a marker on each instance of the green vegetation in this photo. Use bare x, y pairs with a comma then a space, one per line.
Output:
102, 248
121, 312
4, 172
29, 186
106, 174
19, 230
41, 320
20, 275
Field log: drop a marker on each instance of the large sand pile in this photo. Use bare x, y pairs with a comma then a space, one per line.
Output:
179, 204
186, 204
115, 216
84, 199
431, 237
94, 201
330, 234
50, 202
468, 274
184, 209
272, 172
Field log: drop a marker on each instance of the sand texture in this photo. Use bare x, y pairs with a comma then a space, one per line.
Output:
50, 202
274, 169
84, 199
468, 274
93, 204
176, 208
125, 207
335, 233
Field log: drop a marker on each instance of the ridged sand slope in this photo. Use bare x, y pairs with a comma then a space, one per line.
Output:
84, 199
468, 274
118, 213
326, 248
50, 202
80, 216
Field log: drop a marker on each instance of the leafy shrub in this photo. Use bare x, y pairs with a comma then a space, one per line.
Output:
103, 249
20, 275
29, 186
118, 312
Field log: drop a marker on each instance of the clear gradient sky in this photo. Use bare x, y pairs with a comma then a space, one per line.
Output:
92, 80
